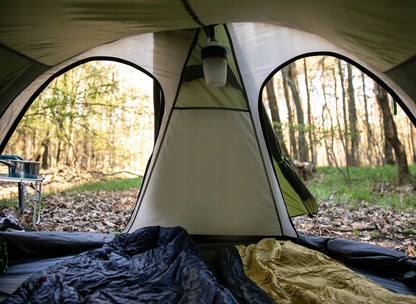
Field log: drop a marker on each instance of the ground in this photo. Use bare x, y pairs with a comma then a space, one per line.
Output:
109, 211
370, 224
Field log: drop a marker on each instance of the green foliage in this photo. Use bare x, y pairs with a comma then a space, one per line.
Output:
376, 186
409, 232
10, 202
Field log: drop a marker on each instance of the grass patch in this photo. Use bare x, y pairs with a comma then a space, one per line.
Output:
376, 186
116, 185
10, 202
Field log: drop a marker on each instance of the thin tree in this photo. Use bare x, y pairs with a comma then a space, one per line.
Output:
352, 115
311, 126
292, 138
388, 158
277, 123
344, 110
391, 136
45, 153
294, 87
369, 132
326, 116
412, 141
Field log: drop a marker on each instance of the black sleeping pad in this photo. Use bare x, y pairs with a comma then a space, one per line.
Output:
377, 261
150, 265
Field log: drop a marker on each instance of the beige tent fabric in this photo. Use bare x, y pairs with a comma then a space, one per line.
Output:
209, 178
291, 273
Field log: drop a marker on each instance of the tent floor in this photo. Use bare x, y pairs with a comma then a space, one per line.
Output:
17, 274
209, 245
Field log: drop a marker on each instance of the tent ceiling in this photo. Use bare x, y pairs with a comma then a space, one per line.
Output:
380, 32
53, 31
377, 31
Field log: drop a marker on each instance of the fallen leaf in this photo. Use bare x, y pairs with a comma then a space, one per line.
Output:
411, 251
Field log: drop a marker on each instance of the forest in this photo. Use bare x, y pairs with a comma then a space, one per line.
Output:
329, 113
98, 117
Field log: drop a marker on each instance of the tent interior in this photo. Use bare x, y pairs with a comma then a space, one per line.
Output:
216, 169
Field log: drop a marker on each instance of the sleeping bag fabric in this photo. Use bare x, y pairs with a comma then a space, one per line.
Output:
231, 273
291, 273
151, 265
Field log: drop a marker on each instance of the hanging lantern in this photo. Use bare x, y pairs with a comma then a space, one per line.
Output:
214, 62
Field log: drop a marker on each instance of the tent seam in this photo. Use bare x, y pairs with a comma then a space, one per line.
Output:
212, 108
401, 64
191, 12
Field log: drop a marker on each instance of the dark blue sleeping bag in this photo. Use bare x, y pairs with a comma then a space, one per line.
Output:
151, 265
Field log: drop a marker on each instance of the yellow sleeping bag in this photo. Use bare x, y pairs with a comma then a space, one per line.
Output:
291, 273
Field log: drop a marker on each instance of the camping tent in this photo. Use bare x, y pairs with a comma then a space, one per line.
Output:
216, 168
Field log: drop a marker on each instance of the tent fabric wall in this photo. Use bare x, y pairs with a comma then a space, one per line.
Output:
209, 165
401, 76
209, 178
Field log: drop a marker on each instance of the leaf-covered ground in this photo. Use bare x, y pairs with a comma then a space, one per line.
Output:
109, 212
87, 211
371, 224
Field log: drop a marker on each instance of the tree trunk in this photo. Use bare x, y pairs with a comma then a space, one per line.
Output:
370, 147
28, 147
341, 134
388, 158
391, 135
294, 87
325, 118
277, 123
328, 130
292, 138
352, 115
312, 149
45, 154
345, 115
58, 151
412, 141
85, 157
20, 144
344, 110
388, 152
